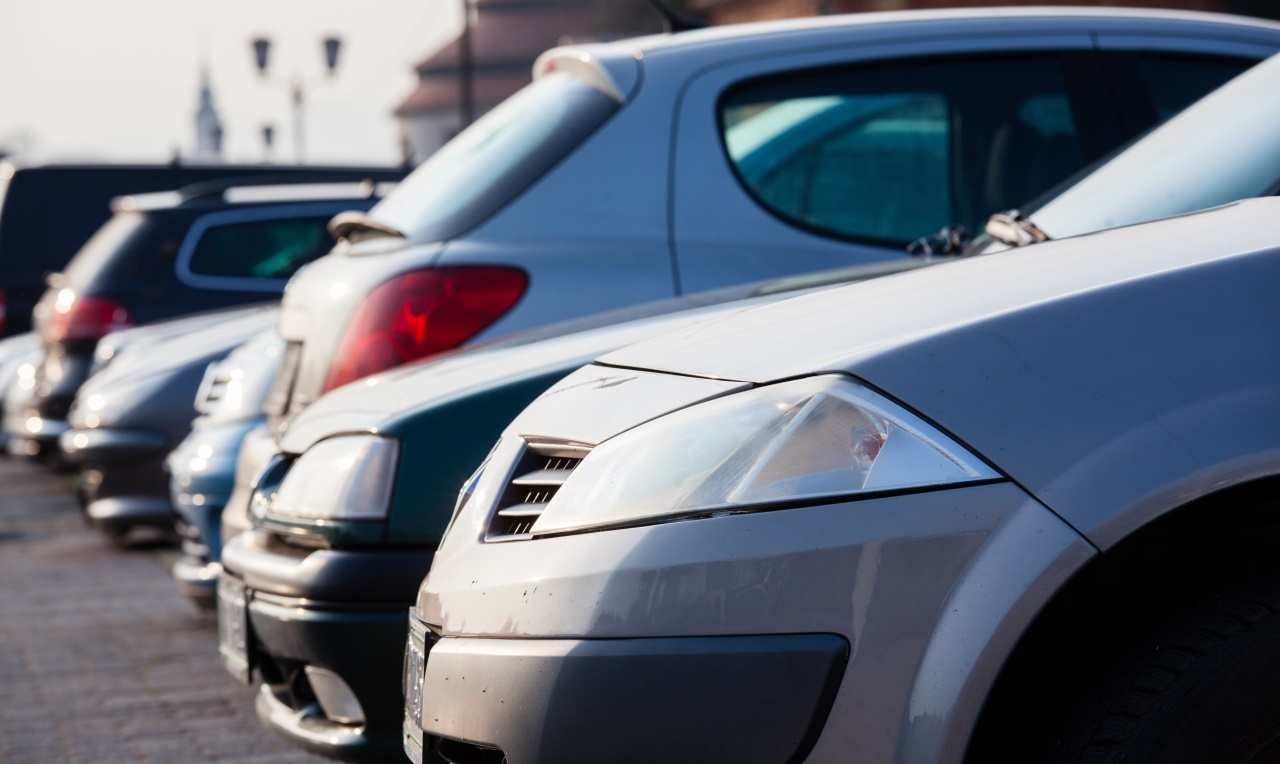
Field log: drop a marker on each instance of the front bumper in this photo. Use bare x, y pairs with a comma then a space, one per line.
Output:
123, 482
202, 471
740, 699
339, 611
35, 417
930, 592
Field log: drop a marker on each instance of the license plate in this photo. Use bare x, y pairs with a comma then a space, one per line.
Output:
415, 669
233, 629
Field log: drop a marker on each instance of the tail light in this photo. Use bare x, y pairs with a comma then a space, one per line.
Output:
420, 313
85, 318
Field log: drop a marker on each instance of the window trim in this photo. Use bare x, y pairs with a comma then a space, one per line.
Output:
182, 263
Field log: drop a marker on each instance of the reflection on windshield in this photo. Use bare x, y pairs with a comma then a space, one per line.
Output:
495, 158
1223, 149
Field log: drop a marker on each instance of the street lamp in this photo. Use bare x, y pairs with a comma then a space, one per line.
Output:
261, 55
466, 68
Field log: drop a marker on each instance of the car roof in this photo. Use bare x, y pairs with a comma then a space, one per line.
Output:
244, 191
1037, 15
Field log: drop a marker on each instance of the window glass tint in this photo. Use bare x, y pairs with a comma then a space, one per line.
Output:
1177, 82
1222, 149
260, 249
892, 153
491, 161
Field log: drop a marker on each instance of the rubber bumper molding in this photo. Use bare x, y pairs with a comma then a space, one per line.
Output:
683, 699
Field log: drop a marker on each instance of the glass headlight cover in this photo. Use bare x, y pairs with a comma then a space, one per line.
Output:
348, 477
809, 439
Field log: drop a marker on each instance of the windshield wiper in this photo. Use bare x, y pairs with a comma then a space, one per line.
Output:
1013, 228
951, 240
346, 223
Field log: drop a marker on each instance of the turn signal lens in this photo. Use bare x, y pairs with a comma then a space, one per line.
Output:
85, 318
421, 313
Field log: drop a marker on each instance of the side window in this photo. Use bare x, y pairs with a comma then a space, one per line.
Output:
1176, 82
893, 152
260, 249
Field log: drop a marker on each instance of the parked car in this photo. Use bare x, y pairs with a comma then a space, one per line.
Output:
129, 416
641, 169
16, 351
49, 210
799, 534
322, 585
210, 246
202, 468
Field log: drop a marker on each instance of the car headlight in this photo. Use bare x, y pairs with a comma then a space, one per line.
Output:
348, 477
802, 441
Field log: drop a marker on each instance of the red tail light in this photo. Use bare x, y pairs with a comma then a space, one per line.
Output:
420, 313
85, 318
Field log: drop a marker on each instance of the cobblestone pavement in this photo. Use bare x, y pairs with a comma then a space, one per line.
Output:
101, 660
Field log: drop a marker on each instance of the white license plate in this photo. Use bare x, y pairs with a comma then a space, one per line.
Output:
233, 629
415, 669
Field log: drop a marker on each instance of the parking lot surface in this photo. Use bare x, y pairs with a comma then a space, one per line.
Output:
101, 660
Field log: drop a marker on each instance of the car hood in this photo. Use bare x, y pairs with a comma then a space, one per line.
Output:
171, 347
370, 404
1147, 352
126, 342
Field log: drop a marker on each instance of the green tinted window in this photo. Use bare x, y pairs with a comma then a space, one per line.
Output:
896, 152
260, 249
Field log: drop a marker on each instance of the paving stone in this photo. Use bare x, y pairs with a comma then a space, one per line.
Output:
101, 660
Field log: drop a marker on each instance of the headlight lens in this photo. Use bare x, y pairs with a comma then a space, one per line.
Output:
348, 477
808, 439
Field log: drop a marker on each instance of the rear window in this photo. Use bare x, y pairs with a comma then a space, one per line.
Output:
495, 159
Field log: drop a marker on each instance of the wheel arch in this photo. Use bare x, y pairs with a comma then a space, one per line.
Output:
1207, 543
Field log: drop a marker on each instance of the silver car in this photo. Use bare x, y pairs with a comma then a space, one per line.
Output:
1011, 507
642, 169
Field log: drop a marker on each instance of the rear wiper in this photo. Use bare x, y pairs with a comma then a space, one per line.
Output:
344, 224
1013, 228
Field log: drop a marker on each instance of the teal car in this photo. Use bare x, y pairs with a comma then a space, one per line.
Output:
346, 517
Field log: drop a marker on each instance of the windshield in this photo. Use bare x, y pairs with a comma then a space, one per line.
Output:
495, 159
1224, 148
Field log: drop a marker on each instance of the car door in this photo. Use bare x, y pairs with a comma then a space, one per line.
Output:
815, 161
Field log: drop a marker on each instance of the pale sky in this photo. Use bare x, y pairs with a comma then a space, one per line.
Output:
119, 79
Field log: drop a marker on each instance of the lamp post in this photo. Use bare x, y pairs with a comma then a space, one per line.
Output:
466, 71
297, 93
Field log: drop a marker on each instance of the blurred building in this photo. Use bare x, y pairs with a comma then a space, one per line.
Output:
506, 38
736, 11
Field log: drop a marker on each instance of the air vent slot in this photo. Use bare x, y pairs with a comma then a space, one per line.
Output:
543, 467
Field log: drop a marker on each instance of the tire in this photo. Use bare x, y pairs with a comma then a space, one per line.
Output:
1203, 687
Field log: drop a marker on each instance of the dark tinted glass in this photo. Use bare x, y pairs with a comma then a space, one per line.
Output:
894, 152
1176, 82
260, 249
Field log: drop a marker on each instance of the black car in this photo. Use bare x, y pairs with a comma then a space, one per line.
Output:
213, 245
47, 211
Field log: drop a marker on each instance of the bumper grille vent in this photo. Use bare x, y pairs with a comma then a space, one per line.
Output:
538, 475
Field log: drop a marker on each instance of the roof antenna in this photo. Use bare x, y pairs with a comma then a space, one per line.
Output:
675, 22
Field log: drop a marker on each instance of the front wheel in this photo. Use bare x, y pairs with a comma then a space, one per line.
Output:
1204, 686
